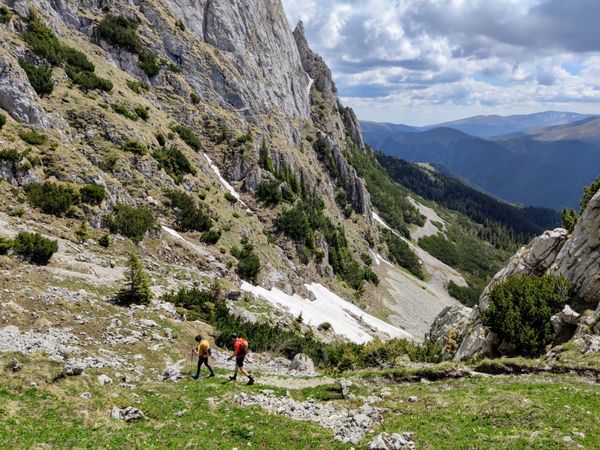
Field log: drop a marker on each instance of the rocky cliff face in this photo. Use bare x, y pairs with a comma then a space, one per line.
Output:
266, 73
577, 257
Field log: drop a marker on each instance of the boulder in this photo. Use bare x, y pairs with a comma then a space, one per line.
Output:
448, 327
128, 414
302, 363
104, 380
396, 441
173, 372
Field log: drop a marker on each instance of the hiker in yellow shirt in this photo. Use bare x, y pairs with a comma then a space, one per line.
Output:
203, 351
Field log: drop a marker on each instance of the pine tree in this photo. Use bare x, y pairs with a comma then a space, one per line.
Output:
569, 219
83, 232
264, 159
137, 290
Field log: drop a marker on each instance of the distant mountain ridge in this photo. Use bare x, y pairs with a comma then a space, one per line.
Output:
545, 167
493, 125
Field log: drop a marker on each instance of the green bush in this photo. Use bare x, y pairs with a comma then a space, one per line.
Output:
189, 216
148, 63
131, 222
92, 194
160, 138
520, 309
88, 81
269, 193
194, 98
42, 40
230, 197
401, 254
121, 109
142, 112
11, 156
467, 295
248, 263
137, 291
211, 237
77, 60
34, 247
137, 86
121, 32
2, 120
174, 162
188, 136
135, 147
179, 24
5, 14
104, 240
5, 245
52, 198
40, 78
32, 137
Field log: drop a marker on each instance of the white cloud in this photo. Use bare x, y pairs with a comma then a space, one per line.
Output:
424, 61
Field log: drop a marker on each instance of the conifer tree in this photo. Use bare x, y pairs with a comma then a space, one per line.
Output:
137, 291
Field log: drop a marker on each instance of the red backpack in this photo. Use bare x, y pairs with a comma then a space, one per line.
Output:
241, 345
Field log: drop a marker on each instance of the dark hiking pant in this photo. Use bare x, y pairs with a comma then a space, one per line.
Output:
203, 360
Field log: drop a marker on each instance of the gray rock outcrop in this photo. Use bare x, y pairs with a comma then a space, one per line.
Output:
579, 258
17, 97
354, 185
576, 257
266, 71
395, 441
349, 426
302, 363
128, 414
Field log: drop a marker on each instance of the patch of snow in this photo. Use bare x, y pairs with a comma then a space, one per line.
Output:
172, 232
346, 319
378, 219
225, 183
310, 84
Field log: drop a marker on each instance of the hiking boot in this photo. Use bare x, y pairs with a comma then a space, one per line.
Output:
212, 375
250, 381
232, 378
195, 377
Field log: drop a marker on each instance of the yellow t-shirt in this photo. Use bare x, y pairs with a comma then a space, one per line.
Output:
203, 348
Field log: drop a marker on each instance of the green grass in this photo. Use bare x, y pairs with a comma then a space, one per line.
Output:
500, 412
44, 417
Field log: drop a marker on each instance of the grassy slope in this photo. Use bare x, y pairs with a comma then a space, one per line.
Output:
533, 411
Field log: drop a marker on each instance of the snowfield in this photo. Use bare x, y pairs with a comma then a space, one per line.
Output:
378, 219
225, 183
346, 319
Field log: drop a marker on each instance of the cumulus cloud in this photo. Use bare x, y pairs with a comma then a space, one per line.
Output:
424, 61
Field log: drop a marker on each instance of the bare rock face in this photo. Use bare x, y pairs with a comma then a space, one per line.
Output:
353, 126
533, 259
254, 35
353, 184
17, 97
579, 258
448, 327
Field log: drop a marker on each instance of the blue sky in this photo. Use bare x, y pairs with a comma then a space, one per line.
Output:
426, 61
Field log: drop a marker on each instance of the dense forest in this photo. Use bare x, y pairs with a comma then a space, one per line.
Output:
505, 226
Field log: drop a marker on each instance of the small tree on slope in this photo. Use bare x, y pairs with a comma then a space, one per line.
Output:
137, 290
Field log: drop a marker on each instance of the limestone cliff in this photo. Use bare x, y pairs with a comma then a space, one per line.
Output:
576, 257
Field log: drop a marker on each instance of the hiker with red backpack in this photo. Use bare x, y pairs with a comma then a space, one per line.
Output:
240, 350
